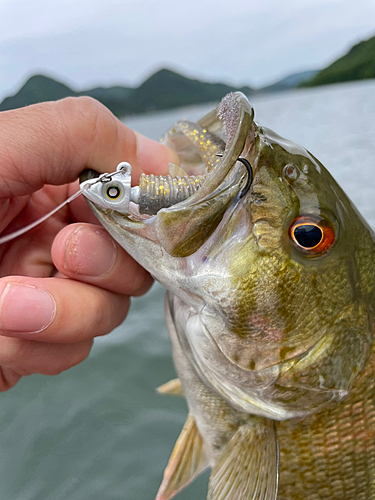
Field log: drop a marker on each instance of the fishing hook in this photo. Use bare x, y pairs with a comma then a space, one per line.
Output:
250, 176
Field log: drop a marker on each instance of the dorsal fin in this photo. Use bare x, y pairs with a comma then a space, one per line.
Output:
172, 388
248, 466
188, 459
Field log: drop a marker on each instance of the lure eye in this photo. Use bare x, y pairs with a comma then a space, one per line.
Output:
312, 236
113, 192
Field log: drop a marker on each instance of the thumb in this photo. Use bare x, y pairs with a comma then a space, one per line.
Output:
53, 142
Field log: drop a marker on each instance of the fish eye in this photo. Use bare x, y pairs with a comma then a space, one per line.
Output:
307, 235
311, 235
113, 192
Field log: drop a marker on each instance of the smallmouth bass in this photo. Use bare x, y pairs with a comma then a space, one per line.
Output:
269, 306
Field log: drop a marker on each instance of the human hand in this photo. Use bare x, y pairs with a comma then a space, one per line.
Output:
66, 281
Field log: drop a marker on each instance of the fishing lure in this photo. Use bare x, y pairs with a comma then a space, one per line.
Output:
151, 195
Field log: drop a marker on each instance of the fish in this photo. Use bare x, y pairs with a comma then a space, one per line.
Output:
270, 276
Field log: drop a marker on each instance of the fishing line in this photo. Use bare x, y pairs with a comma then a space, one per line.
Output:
11, 236
23, 230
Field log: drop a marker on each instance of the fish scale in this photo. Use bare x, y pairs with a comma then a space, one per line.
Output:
331, 455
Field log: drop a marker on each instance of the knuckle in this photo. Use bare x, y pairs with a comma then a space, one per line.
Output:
63, 363
91, 120
82, 353
54, 369
84, 105
89, 108
108, 312
120, 310
11, 351
22, 357
8, 379
82, 110
143, 283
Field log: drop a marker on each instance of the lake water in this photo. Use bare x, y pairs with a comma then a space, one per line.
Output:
99, 431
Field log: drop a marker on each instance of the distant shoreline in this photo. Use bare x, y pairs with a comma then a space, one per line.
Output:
166, 89
256, 95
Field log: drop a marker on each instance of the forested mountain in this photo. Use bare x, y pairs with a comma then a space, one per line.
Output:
357, 64
163, 90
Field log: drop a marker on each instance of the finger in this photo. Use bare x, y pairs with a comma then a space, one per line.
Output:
8, 378
51, 143
86, 252
25, 357
57, 310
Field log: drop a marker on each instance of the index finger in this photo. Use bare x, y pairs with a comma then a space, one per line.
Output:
53, 142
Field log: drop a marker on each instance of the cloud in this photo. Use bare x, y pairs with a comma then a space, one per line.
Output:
88, 43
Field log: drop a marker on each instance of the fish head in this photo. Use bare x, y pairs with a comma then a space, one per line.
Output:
277, 280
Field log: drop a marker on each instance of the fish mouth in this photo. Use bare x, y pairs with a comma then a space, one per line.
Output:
183, 228
225, 129
209, 148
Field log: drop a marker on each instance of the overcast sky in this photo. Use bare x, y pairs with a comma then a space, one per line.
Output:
87, 43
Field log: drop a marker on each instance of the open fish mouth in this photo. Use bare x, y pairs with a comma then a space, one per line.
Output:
189, 203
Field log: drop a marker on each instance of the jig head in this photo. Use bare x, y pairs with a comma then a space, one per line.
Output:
112, 191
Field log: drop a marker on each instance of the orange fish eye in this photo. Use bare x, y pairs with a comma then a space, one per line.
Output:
311, 235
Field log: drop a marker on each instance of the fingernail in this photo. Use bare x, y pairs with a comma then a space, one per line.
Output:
153, 156
24, 308
89, 252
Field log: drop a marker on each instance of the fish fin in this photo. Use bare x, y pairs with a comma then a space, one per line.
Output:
188, 459
176, 171
172, 388
248, 466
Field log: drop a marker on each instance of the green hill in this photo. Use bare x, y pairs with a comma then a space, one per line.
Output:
38, 88
163, 90
357, 64
167, 89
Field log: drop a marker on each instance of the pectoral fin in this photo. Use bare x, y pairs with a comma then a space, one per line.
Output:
248, 466
188, 459
172, 388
